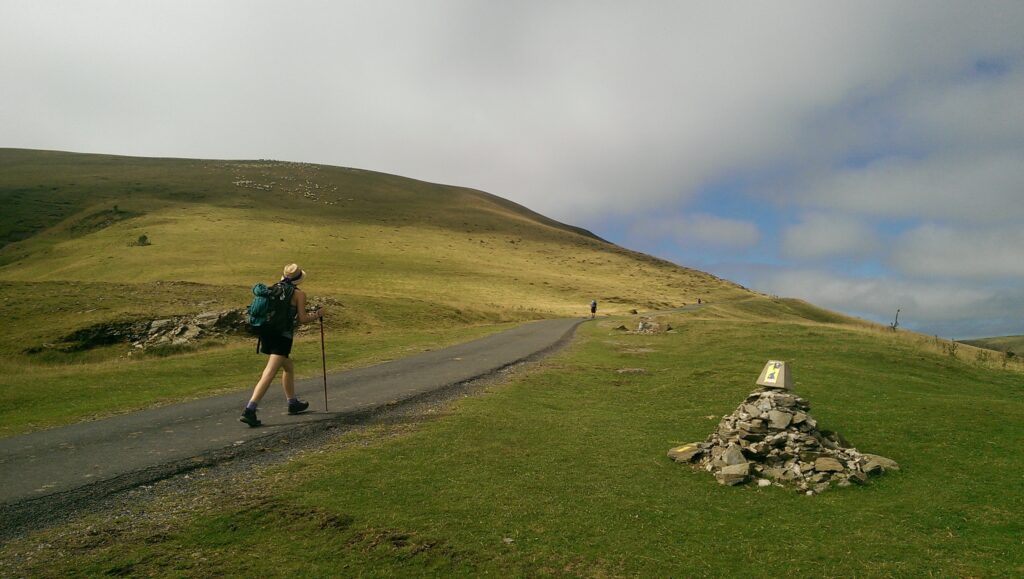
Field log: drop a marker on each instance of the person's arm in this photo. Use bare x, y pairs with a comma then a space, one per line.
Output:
305, 317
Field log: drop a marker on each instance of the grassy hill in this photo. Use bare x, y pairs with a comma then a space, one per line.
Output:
1014, 344
560, 471
401, 265
70, 217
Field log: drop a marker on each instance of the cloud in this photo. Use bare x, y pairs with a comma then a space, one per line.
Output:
820, 236
963, 187
576, 111
959, 310
701, 229
990, 253
853, 115
946, 147
982, 111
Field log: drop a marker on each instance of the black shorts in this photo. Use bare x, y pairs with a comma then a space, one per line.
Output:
276, 344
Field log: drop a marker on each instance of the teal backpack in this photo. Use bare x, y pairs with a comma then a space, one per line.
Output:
268, 312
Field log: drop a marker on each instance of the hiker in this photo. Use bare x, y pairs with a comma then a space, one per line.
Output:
278, 345
593, 308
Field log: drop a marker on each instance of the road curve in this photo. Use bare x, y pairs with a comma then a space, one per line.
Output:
84, 455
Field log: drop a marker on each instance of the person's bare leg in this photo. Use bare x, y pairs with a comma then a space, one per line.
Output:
288, 378
273, 365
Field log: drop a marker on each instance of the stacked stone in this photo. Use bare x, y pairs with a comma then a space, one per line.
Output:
772, 437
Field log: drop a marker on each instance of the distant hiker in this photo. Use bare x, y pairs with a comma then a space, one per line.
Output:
275, 338
698, 301
593, 308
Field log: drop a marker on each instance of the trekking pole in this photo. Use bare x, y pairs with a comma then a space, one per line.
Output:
323, 356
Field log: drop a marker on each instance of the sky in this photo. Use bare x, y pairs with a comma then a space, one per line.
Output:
864, 156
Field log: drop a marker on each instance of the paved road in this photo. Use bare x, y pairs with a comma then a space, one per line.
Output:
53, 461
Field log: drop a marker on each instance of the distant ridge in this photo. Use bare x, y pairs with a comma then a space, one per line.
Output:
1013, 344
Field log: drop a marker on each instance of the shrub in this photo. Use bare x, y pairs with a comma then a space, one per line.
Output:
951, 347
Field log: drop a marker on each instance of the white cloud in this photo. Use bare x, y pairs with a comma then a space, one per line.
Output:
985, 112
820, 236
576, 110
588, 112
961, 187
701, 229
947, 147
954, 309
932, 250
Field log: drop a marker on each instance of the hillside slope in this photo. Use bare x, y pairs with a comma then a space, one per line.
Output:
1013, 344
71, 217
401, 266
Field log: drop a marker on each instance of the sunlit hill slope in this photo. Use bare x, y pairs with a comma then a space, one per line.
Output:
369, 239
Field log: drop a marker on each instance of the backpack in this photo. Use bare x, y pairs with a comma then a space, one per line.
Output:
268, 312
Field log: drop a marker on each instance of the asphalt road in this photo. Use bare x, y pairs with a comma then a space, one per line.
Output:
82, 456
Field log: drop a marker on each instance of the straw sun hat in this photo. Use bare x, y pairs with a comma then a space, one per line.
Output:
293, 272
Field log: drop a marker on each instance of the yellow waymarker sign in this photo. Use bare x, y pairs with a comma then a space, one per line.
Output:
775, 375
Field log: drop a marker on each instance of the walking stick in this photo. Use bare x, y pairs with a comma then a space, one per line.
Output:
323, 356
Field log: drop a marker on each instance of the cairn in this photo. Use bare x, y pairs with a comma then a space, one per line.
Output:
772, 437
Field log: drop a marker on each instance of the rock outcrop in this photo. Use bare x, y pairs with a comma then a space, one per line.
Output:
649, 326
144, 334
772, 437
188, 329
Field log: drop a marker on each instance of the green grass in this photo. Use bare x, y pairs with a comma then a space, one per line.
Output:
55, 387
356, 232
56, 392
404, 261
560, 472
563, 472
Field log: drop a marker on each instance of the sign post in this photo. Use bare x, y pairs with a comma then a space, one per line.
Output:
775, 375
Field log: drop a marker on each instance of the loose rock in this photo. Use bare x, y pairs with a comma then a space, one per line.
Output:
685, 453
878, 464
733, 474
828, 464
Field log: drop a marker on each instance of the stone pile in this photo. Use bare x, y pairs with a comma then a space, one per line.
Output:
772, 438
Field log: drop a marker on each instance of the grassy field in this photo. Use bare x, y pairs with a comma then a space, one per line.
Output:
55, 387
401, 264
1013, 344
563, 471
560, 471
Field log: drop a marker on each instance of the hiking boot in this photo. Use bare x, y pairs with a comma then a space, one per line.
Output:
297, 407
249, 417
